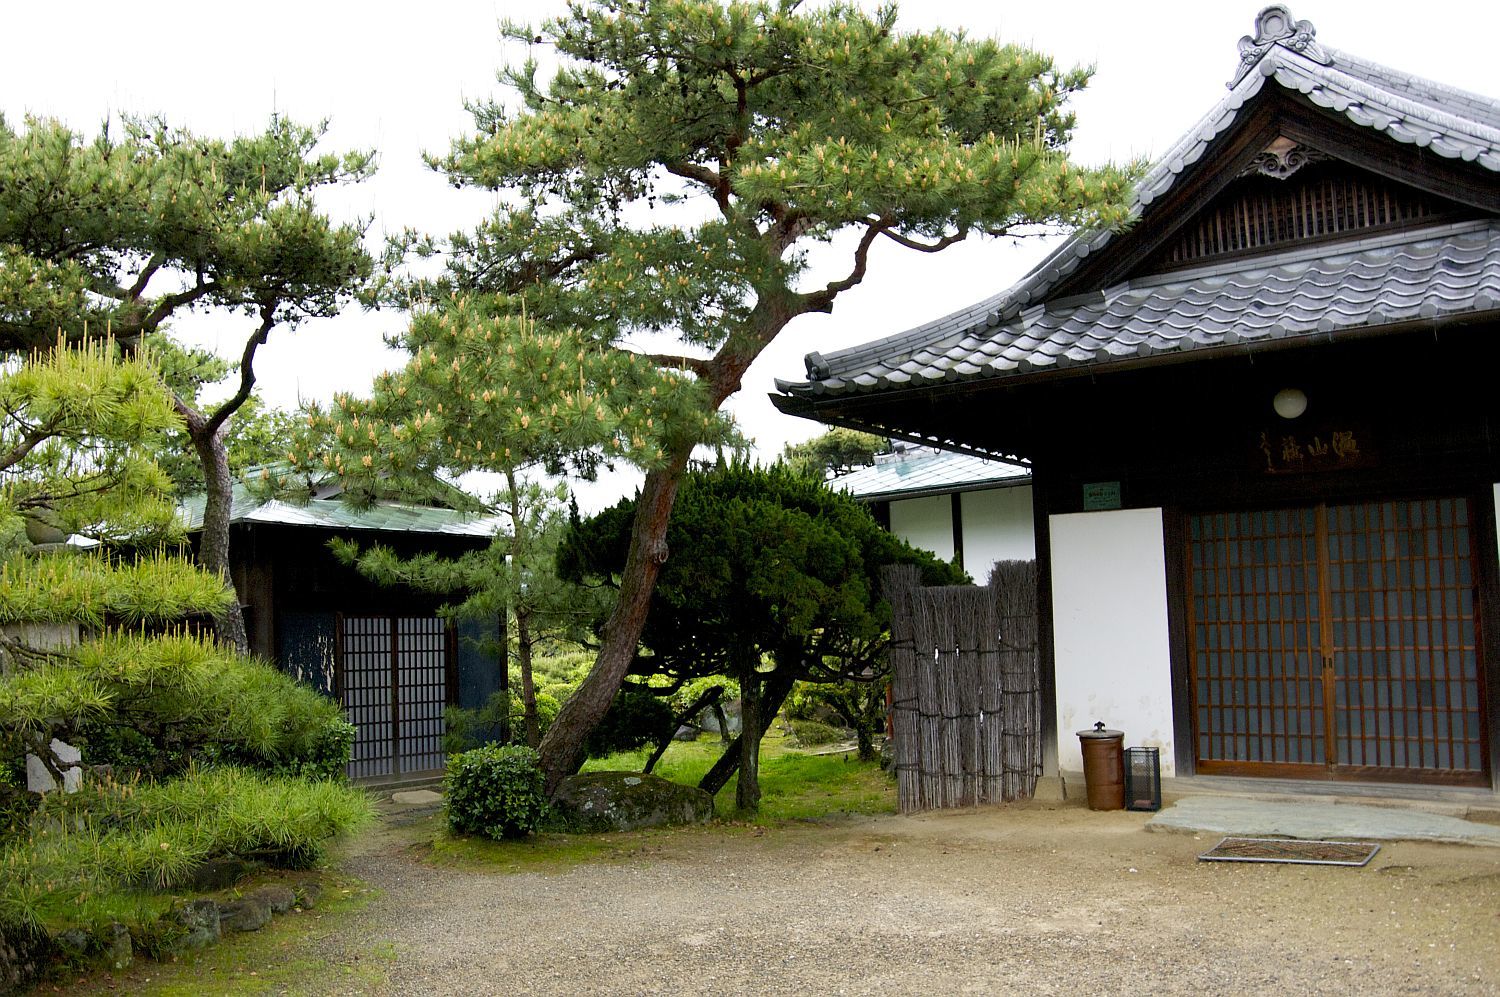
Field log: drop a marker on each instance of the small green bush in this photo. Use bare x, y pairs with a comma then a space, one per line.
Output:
495, 791
559, 691
811, 732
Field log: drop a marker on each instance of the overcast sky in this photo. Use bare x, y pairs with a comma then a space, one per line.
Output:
393, 77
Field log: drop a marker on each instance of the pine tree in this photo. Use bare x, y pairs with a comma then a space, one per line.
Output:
670, 175
835, 453
514, 577
124, 233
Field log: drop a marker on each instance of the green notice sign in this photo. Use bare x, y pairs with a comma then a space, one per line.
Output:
1101, 495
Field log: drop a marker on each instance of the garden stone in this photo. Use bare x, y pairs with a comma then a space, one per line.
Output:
117, 949
67, 757
278, 898
201, 923
74, 944
627, 801
24, 953
250, 913
309, 893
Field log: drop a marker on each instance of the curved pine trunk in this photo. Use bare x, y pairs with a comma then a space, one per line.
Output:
562, 748
213, 543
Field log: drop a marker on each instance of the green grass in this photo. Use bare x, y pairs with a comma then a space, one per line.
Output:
794, 785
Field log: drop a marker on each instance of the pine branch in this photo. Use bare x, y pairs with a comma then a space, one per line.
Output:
925, 247
247, 370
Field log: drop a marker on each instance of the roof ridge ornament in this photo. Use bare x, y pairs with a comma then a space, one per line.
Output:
1274, 25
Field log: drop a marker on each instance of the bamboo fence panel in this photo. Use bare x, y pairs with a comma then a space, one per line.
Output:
966, 710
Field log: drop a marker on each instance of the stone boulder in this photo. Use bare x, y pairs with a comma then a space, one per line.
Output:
200, 923
249, 913
628, 801
24, 954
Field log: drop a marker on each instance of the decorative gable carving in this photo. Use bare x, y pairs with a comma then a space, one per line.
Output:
1282, 158
1275, 26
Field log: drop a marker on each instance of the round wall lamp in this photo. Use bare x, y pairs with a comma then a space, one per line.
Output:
1290, 403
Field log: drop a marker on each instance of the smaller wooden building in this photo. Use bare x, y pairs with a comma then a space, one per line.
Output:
382, 651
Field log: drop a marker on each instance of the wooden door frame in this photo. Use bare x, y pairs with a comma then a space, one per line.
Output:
450, 671
1484, 551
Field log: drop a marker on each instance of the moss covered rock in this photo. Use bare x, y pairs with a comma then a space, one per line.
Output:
627, 801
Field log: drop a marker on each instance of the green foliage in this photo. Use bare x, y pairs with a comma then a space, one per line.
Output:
492, 391
78, 427
563, 669
120, 836
495, 791
466, 729
811, 733
91, 228
94, 591
835, 453
636, 717
797, 785
764, 561
689, 691
857, 703
127, 699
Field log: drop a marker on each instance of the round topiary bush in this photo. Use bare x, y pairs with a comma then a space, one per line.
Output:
810, 733
495, 791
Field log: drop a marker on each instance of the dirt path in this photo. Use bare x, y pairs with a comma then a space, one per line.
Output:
1025, 899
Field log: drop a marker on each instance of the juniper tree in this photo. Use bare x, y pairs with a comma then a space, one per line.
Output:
126, 232
672, 172
774, 580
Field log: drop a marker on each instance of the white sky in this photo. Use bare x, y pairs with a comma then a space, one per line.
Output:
393, 77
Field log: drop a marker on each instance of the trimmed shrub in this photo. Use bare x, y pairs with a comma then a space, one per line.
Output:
87, 846
634, 718
495, 791
810, 733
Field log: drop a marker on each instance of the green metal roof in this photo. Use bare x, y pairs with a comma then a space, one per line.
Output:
334, 514
927, 472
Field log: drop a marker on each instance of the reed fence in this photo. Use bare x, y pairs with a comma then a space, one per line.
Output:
965, 688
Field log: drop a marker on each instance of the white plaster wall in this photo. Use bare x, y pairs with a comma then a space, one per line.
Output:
997, 527
926, 523
1109, 608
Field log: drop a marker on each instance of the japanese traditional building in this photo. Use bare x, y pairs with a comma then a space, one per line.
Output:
381, 650
1263, 431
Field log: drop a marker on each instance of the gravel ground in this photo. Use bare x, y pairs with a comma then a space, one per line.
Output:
1022, 899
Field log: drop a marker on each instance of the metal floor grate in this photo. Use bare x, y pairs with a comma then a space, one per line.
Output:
1291, 851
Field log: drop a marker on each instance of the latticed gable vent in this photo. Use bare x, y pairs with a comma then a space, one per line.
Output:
1321, 201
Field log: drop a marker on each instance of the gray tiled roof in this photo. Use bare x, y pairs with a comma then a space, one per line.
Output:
925, 472
1441, 271
1010, 333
